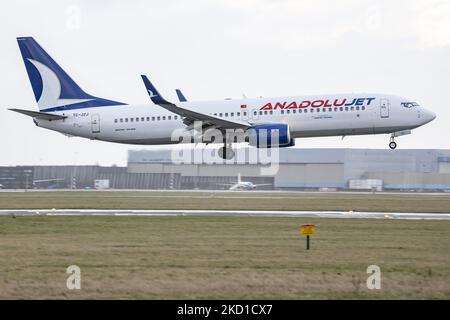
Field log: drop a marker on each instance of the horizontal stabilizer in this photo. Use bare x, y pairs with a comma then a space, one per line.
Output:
39, 115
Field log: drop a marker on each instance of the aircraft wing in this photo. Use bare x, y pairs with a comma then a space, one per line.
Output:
39, 115
48, 180
189, 116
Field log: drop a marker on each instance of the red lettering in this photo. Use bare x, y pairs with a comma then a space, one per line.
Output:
327, 104
339, 104
304, 104
267, 106
292, 105
280, 105
317, 103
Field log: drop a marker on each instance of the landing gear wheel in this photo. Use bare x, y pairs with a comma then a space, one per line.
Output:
392, 145
226, 153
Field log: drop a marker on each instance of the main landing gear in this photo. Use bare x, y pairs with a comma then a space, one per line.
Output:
392, 144
226, 152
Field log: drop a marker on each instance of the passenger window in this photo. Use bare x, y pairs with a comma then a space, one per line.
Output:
294, 111
226, 114
164, 117
341, 109
324, 110
115, 120
137, 119
220, 114
287, 111
265, 112
142, 119
158, 118
148, 118
357, 108
260, 113
282, 111
245, 113
131, 119
363, 108
352, 108
271, 112
121, 120
169, 118
153, 118
126, 119
232, 114
299, 110
175, 117
346, 108
335, 109
306, 111
238, 114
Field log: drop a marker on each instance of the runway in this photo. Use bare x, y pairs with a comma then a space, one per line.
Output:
231, 213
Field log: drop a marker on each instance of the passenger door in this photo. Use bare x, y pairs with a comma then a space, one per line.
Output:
384, 108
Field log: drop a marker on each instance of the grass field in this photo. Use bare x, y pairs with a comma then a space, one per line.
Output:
226, 200
221, 257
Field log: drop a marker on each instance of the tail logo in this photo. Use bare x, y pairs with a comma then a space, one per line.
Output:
151, 94
51, 88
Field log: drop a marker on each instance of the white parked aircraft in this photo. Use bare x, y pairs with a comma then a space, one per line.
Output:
66, 108
244, 185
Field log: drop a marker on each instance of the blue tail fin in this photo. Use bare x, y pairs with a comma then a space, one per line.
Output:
53, 88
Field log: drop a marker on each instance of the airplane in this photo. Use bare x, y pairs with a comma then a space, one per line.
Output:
243, 185
267, 122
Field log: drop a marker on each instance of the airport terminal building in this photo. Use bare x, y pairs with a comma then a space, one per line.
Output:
422, 169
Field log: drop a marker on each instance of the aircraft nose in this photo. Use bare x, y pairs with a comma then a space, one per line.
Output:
428, 116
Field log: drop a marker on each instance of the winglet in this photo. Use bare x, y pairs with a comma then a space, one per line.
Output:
152, 92
180, 95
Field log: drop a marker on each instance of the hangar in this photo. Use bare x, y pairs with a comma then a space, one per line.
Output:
315, 168
408, 169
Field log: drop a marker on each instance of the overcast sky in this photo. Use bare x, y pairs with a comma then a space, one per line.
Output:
217, 49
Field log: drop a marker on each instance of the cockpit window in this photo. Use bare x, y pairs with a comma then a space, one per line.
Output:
409, 104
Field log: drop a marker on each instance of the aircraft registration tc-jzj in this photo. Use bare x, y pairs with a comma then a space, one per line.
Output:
266, 122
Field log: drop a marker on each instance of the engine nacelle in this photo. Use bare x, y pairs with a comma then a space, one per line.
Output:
271, 135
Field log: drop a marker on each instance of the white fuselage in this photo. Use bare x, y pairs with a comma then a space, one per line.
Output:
307, 116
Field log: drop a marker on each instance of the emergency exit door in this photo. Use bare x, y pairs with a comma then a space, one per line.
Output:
384, 108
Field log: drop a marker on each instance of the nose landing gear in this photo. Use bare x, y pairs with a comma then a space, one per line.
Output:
392, 144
